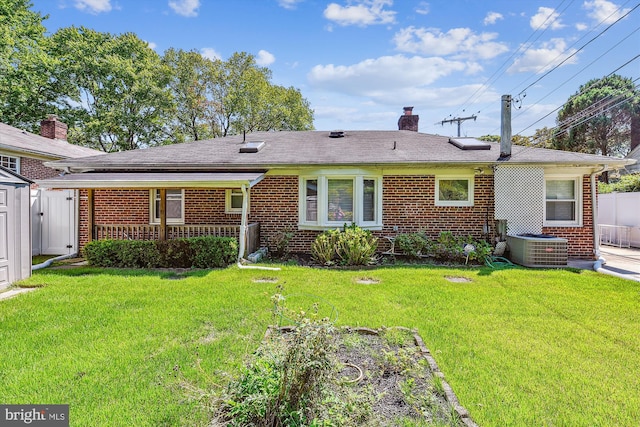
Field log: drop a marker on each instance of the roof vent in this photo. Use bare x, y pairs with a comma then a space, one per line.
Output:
252, 146
336, 134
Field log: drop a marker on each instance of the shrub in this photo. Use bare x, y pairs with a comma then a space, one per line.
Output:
211, 252
351, 246
413, 245
280, 243
356, 246
200, 252
323, 248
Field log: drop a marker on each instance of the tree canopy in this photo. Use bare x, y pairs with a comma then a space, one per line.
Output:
597, 118
116, 93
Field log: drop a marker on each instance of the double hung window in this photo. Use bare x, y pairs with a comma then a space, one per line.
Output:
174, 206
562, 202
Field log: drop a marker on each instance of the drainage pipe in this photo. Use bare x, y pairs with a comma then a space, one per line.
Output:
594, 212
243, 234
50, 261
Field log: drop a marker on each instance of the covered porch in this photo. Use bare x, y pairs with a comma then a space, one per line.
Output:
159, 225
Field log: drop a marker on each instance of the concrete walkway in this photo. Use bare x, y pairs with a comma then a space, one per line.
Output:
13, 292
621, 262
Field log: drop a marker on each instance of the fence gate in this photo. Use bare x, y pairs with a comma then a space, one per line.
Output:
54, 222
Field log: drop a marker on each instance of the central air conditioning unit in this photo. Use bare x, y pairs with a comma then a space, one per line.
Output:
538, 250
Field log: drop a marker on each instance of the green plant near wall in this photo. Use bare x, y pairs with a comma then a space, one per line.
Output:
350, 246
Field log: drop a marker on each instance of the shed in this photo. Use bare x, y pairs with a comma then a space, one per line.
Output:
15, 227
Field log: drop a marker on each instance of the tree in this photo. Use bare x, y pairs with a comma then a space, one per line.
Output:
25, 67
597, 118
191, 76
244, 100
118, 97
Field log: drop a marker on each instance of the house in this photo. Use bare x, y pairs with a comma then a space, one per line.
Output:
54, 213
390, 182
15, 244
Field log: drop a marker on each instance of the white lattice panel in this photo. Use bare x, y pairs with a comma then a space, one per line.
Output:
519, 198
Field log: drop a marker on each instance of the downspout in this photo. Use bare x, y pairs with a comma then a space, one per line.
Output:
243, 233
594, 217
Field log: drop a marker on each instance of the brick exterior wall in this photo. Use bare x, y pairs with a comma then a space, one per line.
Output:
580, 239
35, 169
409, 204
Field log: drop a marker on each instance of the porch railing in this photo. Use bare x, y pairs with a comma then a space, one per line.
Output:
152, 232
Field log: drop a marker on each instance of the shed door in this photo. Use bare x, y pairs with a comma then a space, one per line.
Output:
58, 225
7, 236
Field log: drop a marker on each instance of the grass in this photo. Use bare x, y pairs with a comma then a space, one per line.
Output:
519, 347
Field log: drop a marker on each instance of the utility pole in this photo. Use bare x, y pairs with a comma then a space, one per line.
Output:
459, 120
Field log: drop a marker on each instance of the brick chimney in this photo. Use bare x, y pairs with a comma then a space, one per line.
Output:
52, 128
635, 131
408, 121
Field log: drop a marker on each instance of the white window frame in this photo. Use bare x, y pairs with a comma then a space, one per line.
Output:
468, 202
154, 220
322, 222
228, 207
578, 199
6, 161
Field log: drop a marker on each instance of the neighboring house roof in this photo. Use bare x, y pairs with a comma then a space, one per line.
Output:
31, 145
634, 155
316, 148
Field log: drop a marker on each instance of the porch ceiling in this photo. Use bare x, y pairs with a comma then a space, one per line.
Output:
154, 180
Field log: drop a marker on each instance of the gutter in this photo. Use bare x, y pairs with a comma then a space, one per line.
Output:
594, 213
243, 234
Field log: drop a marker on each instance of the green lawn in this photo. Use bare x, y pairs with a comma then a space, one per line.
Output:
519, 347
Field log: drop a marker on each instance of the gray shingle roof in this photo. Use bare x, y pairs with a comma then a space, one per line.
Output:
309, 148
27, 143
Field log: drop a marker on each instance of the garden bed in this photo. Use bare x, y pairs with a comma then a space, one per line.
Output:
381, 377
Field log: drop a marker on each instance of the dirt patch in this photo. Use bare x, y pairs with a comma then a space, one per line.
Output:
379, 378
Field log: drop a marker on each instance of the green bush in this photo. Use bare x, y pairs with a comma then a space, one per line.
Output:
626, 184
356, 246
447, 247
199, 252
350, 246
413, 245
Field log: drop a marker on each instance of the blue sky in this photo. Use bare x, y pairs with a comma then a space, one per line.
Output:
359, 62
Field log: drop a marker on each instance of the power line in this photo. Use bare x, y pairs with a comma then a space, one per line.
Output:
583, 90
523, 48
578, 50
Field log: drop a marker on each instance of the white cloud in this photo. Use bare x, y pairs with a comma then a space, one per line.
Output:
265, 58
581, 26
188, 8
492, 18
604, 11
93, 6
289, 4
423, 8
457, 42
362, 13
210, 53
547, 56
152, 45
546, 17
384, 76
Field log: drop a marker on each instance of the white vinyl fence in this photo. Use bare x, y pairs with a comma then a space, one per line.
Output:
619, 219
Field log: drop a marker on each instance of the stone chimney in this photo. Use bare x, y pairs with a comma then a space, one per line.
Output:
52, 128
635, 131
408, 121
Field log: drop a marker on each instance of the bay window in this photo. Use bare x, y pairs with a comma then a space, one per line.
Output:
332, 201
